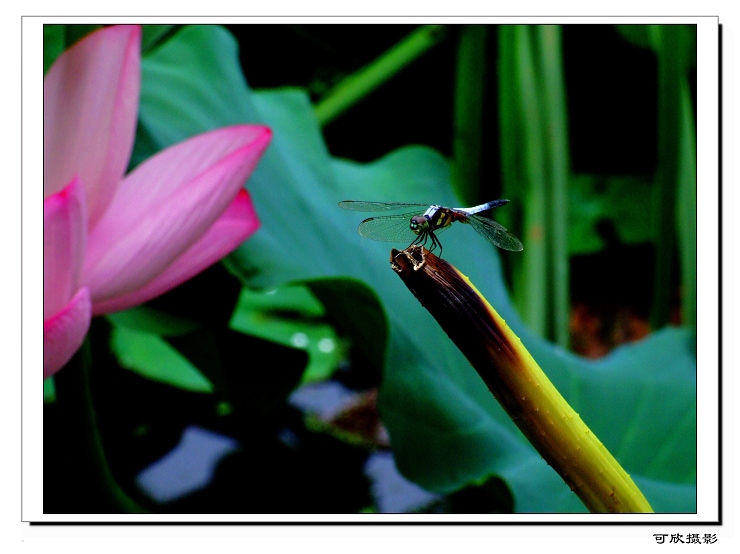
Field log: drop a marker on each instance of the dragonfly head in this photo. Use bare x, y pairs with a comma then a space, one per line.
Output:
419, 224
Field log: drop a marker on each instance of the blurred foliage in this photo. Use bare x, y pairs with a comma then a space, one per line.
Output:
288, 316
596, 200
53, 44
151, 356
446, 430
491, 496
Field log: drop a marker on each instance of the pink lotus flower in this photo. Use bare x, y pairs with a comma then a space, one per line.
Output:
113, 241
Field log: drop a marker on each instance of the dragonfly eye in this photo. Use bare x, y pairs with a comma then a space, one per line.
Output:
417, 223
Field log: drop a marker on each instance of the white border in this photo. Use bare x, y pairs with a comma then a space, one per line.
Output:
707, 278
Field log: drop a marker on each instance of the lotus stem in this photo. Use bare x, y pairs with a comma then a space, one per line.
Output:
358, 85
518, 383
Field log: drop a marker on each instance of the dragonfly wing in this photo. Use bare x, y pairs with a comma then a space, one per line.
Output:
362, 206
495, 232
388, 228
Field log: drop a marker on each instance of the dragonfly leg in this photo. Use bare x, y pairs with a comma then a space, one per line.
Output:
435, 243
421, 239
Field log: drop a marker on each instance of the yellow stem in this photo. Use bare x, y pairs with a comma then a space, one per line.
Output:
518, 383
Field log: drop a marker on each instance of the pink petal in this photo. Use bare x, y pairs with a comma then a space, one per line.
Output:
65, 331
64, 245
91, 98
237, 223
166, 205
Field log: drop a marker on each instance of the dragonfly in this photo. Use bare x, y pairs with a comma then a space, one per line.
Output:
421, 222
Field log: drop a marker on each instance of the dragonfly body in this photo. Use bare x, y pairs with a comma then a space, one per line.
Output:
419, 227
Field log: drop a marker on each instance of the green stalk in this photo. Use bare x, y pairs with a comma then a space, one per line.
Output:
667, 38
532, 279
510, 136
74, 398
518, 383
358, 85
468, 115
555, 139
686, 207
